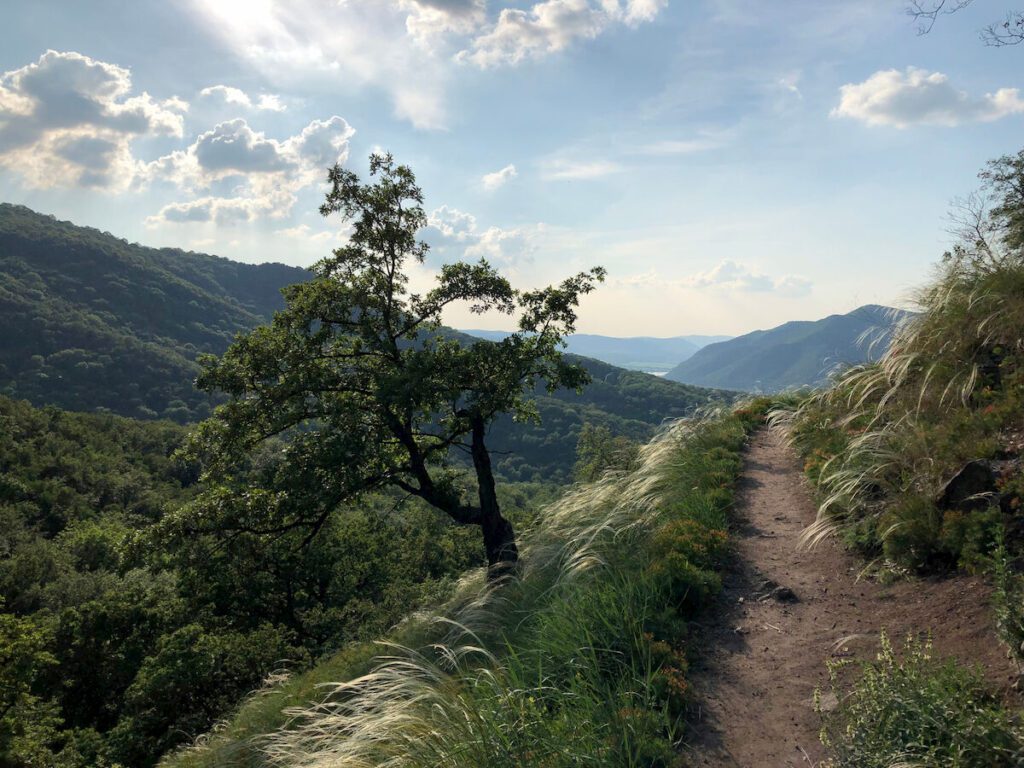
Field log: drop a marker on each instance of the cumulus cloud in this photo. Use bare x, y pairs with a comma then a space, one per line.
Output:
356, 44
552, 26
235, 96
492, 181
452, 223
344, 44
68, 119
730, 275
430, 19
264, 173
918, 97
503, 247
305, 232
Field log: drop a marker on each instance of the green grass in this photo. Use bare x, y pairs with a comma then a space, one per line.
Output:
581, 661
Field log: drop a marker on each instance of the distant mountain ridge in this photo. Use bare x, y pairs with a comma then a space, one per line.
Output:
795, 354
638, 353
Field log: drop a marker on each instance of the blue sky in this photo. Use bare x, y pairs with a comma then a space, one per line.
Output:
732, 164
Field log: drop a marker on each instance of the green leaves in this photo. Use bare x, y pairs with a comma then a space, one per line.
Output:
357, 379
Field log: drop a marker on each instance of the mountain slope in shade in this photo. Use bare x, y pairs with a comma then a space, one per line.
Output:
799, 353
91, 321
638, 353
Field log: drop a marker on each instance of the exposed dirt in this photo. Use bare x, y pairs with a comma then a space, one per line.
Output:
761, 657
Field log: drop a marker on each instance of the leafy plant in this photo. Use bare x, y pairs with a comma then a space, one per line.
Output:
909, 709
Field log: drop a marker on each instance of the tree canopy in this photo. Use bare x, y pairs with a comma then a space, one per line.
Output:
358, 381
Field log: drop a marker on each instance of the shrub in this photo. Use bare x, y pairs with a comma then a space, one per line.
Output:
911, 710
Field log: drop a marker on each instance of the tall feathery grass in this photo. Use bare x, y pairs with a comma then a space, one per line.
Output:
579, 661
882, 442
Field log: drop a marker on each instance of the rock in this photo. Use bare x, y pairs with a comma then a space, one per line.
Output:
975, 486
783, 595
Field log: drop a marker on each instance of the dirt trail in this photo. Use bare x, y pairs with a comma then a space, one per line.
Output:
761, 658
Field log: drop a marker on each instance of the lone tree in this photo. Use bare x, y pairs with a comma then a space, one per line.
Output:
356, 387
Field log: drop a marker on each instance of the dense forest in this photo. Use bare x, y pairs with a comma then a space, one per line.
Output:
92, 322
124, 637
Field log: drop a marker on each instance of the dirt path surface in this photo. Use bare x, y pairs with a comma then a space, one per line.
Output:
761, 657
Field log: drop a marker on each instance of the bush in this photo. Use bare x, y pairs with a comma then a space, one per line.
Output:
914, 710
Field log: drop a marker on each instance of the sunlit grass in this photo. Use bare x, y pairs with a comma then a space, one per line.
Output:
580, 661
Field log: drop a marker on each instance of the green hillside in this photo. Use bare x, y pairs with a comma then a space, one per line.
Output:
94, 323
795, 354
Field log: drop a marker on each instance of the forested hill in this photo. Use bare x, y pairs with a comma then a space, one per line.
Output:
798, 353
91, 321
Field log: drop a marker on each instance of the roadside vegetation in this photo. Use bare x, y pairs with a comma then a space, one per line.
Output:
582, 660
907, 708
917, 462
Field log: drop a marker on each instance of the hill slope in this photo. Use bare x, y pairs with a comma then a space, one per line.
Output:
794, 354
94, 322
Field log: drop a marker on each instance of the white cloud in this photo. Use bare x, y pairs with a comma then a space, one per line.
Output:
727, 275
791, 83
265, 174
918, 97
730, 275
305, 232
69, 120
492, 181
430, 19
352, 44
552, 26
452, 223
502, 247
230, 95
570, 170
341, 45
270, 102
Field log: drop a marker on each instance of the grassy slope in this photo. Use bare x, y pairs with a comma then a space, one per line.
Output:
880, 446
587, 649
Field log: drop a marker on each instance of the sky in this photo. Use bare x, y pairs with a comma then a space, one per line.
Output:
732, 164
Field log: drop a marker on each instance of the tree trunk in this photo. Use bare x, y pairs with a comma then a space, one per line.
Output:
499, 537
